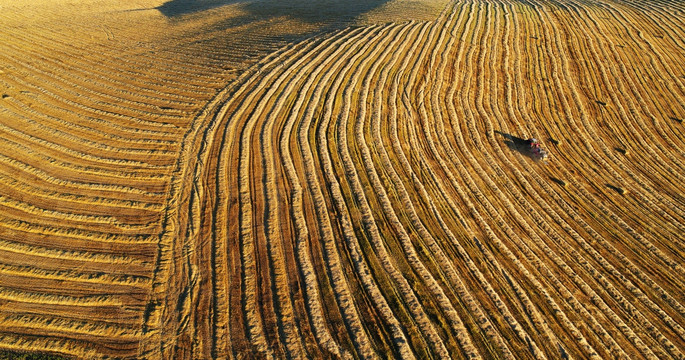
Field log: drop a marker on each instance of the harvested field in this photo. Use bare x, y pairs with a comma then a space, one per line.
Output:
319, 190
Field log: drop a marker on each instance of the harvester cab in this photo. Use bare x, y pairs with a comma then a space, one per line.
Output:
535, 150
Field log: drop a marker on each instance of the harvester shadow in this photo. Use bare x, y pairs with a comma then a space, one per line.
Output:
517, 144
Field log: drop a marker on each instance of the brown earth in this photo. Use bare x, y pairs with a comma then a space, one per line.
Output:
213, 179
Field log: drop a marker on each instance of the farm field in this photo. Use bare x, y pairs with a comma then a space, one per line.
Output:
263, 179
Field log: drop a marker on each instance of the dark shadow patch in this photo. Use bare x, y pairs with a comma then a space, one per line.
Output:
619, 190
309, 11
518, 144
149, 309
175, 8
558, 181
17, 355
245, 47
562, 352
516, 141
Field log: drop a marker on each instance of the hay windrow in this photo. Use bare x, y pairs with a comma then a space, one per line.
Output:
315, 180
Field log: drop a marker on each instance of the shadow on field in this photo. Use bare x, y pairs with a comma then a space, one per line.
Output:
175, 8
516, 143
310, 11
